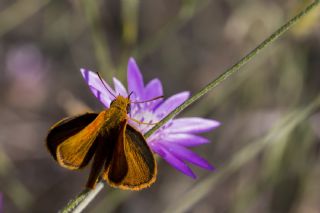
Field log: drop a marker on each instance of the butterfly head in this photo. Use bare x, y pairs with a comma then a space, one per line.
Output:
122, 103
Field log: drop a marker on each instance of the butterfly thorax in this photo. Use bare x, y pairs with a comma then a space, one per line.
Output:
116, 115
121, 103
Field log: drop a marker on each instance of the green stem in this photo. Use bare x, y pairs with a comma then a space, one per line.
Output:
234, 68
85, 197
281, 129
82, 200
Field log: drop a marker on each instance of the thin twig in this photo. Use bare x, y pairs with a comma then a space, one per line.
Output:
82, 200
281, 129
234, 68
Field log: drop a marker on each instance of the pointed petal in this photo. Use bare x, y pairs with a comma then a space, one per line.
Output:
135, 80
97, 87
105, 100
171, 103
187, 155
119, 88
171, 159
192, 125
153, 90
184, 139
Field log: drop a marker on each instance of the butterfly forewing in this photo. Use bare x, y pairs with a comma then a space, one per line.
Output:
65, 129
72, 140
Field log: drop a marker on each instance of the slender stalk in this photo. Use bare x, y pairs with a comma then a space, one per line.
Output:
84, 198
281, 129
236, 67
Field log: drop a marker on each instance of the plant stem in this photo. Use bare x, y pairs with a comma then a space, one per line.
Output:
84, 198
281, 129
236, 67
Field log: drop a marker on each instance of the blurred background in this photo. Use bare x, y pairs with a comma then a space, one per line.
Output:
267, 150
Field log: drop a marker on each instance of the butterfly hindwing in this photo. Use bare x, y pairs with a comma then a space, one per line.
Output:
118, 165
102, 154
134, 166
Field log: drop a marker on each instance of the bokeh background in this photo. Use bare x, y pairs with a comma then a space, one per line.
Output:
267, 150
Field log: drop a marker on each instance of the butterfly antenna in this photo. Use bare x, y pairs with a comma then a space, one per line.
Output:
130, 94
105, 86
140, 102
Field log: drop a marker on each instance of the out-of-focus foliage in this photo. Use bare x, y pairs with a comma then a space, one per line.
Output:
267, 150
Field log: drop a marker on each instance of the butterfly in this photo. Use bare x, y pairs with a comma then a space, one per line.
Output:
120, 154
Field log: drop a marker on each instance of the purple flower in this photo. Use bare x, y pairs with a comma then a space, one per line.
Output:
172, 139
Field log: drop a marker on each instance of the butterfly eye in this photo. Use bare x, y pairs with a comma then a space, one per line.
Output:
112, 102
128, 108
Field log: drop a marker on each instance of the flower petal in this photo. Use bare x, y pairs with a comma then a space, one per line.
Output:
192, 125
119, 88
135, 80
153, 90
171, 159
187, 155
105, 100
97, 87
184, 139
171, 103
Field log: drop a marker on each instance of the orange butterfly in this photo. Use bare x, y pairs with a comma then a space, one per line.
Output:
120, 153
